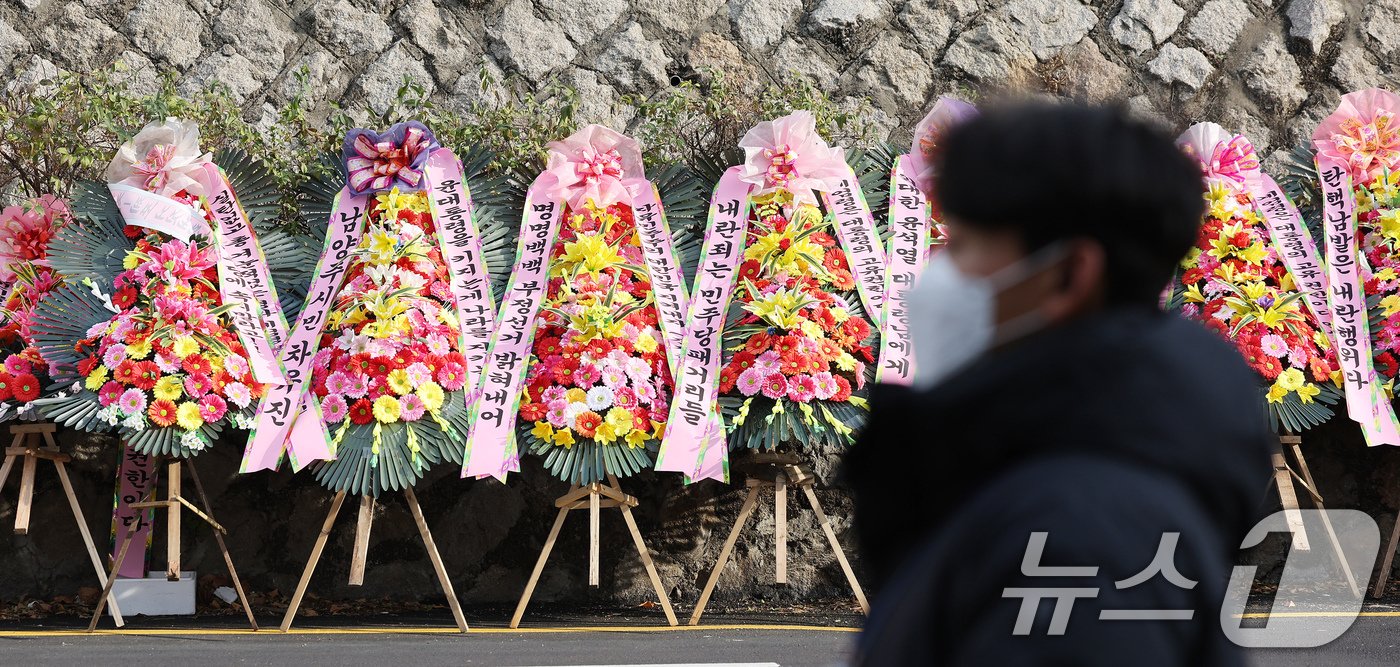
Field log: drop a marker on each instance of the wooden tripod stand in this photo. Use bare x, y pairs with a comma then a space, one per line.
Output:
33, 442
1285, 477
357, 564
173, 504
594, 497
784, 472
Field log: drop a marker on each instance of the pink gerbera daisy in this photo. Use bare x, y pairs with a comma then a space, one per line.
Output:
132, 401
411, 408
333, 408
774, 386
750, 381
801, 388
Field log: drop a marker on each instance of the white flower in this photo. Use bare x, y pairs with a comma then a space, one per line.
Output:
600, 398
191, 440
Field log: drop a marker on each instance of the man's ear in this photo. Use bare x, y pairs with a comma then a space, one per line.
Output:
1082, 276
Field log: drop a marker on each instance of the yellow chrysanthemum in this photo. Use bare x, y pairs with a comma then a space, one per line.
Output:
168, 387
185, 346
386, 409
645, 343
398, 381
432, 395
96, 378
188, 417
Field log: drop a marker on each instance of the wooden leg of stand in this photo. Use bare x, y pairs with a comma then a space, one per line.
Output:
172, 521
433, 555
1326, 522
539, 567
594, 512
780, 518
1283, 479
739, 521
311, 562
26, 495
5, 468
219, 539
648, 564
1383, 576
836, 546
87, 536
116, 567
361, 551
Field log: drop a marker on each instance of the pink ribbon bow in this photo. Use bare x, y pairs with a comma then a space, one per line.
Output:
1224, 156
376, 164
591, 165
154, 167
1233, 161
1363, 133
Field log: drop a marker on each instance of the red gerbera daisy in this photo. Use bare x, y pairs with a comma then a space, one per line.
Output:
25, 387
147, 374
362, 412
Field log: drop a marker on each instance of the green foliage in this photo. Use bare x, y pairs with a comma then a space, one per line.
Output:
66, 130
695, 124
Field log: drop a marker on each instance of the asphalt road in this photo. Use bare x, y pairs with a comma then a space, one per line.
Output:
482, 647
1372, 640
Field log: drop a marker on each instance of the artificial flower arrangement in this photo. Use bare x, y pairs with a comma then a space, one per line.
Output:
1358, 173
25, 232
912, 233
780, 335
602, 335
1236, 282
393, 332
144, 336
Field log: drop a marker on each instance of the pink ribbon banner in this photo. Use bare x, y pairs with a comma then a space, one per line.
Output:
664, 269
135, 478
855, 226
491, 449
1366, 403
140, 208
694, 443
283, 404
460, 241
1296, 247
908, 238
246, 283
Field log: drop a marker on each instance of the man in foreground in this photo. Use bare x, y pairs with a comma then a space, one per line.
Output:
1068, 450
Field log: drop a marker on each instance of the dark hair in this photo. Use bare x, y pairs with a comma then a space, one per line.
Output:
1058, 171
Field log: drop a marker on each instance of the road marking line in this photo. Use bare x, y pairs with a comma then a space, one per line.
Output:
1316, 614
194, 632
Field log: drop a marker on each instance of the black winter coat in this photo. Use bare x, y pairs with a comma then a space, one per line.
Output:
1104, 433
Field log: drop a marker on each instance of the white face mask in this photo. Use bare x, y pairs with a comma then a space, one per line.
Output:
953, 315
